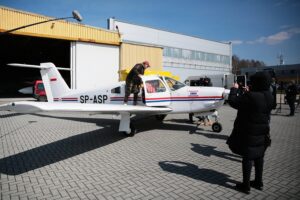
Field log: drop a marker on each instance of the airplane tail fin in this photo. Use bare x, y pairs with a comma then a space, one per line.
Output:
54, 84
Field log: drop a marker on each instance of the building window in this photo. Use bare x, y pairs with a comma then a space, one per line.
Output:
195, 55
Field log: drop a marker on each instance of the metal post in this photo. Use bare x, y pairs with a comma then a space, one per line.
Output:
280, 98
75, 14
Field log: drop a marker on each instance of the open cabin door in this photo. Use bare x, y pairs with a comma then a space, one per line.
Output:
156, 92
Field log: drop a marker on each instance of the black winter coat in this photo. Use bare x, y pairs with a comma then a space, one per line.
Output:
291, 93
251, 125
134, 73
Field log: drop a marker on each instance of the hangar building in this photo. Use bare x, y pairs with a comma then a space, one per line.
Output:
91, 55
95, 56
183, 55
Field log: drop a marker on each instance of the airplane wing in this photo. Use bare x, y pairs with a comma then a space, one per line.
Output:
34, 107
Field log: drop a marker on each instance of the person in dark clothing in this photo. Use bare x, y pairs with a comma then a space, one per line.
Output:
133, 81
291, 93
274, 93
207, 82
250, 136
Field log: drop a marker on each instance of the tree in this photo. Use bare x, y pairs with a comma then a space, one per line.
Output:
238, 63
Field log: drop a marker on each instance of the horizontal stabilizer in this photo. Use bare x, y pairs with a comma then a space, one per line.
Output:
27, 66
36, 66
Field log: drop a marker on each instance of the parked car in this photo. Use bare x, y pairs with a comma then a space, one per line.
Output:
39, 92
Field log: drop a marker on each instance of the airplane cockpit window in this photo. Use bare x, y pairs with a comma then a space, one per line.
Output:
173, 84
154, 86
116, 90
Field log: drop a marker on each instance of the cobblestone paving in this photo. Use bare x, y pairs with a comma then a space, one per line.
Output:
68, 156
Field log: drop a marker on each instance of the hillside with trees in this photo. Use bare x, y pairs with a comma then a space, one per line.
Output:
238, 63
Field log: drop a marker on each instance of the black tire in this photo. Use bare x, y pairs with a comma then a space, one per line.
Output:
42, 98
216, 127
160, 117
133, 130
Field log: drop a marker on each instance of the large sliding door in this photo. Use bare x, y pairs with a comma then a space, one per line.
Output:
93, 65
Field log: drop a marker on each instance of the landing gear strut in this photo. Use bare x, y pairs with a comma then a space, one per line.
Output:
216, 126
126, 126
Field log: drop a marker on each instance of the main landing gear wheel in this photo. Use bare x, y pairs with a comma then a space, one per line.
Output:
132, 131
216, 127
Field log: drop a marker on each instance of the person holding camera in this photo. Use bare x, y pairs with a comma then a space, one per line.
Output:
250, 136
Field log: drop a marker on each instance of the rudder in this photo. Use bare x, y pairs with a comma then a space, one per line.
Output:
54, 84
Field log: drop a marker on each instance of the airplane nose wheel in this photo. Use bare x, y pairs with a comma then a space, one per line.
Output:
216, 127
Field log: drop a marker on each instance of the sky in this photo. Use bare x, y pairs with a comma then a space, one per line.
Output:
258, 29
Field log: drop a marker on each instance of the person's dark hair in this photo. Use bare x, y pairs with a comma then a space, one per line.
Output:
260, 81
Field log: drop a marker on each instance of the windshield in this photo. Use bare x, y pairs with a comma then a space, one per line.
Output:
173, 84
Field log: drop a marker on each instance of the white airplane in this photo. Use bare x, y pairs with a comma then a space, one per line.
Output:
160, 96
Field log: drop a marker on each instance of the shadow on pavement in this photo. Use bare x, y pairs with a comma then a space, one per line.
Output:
11, 115
210, 135
141, 123
185, 121
208, 151
72, 146
150, 123
190, 170
60, 150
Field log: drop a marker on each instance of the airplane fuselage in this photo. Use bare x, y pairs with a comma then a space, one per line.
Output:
180, 98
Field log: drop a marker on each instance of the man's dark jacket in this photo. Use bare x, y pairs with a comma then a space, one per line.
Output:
251, 125
133, 75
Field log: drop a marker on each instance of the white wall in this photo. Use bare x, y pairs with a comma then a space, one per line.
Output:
143, 34
93, 65
181, 67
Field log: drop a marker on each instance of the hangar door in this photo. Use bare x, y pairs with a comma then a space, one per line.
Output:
29, 50
93, 65
137, 53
